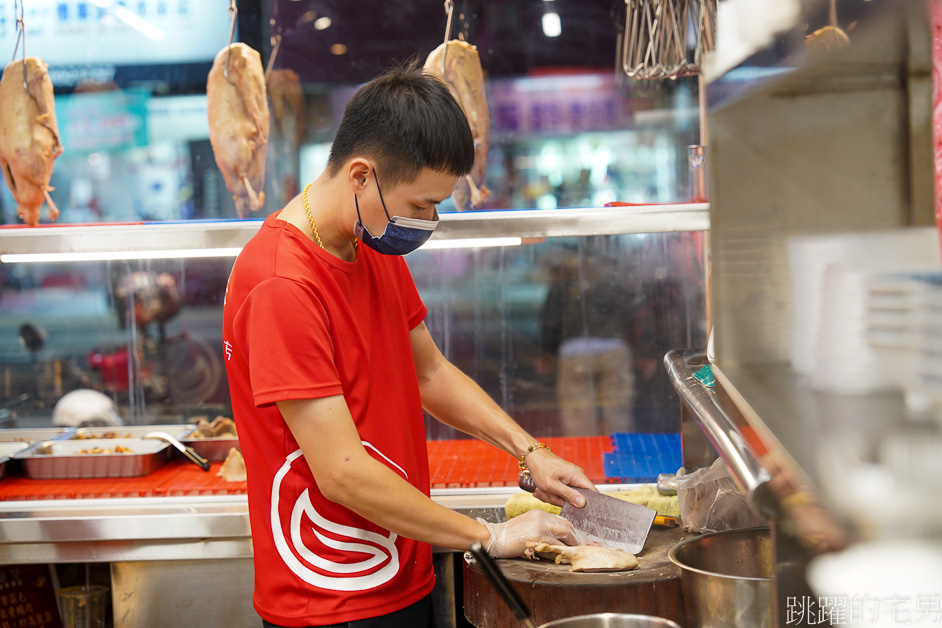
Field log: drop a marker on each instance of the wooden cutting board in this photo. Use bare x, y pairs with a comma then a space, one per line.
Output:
551, 591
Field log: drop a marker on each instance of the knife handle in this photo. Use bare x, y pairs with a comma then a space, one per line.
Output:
666, 521
500, 582
526, 482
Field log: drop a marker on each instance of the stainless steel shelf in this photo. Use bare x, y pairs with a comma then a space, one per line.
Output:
199, 234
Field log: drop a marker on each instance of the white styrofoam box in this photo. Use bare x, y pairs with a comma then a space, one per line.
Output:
811, 256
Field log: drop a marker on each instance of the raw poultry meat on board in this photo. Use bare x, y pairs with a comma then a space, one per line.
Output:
585, 558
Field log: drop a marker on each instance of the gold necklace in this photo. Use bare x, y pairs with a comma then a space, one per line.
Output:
307, 209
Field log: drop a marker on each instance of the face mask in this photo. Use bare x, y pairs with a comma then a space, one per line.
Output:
401, 236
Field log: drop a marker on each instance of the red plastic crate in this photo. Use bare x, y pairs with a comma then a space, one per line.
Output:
473, 463
452, 464
172, 479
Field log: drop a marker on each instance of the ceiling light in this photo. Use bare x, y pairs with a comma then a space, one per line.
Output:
322, 22
101, 256
338, 49
552, 27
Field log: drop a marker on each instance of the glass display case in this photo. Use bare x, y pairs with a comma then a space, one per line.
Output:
147, 333
567, 130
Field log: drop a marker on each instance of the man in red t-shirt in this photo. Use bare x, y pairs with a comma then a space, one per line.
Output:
330, 366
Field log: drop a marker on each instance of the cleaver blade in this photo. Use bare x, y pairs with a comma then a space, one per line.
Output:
611, 521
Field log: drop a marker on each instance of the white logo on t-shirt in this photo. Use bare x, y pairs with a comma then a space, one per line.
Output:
377, 547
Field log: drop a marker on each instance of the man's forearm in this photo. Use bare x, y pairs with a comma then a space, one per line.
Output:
375, 492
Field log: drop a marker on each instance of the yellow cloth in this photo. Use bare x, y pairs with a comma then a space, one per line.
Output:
645, 495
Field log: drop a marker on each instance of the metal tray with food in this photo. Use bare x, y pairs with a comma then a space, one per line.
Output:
94, 458
32, 434
7, 450
176, 430
213, 449
213, 439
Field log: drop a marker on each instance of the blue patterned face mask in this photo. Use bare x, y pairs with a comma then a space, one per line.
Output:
401, 236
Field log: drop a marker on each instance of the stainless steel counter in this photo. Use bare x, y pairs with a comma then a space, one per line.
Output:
161, 528
195, 552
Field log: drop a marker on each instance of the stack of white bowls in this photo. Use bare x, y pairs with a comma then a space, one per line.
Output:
904, 327
830, 282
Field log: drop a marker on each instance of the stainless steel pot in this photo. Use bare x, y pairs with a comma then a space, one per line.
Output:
727, 578
611, 620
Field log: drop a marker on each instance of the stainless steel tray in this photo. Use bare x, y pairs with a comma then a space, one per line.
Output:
213, 449
31, 435
176, 430
58, 459
7, 451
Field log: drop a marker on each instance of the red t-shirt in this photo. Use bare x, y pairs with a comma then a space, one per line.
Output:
298, 323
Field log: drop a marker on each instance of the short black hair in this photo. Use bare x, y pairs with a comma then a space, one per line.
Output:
404, 120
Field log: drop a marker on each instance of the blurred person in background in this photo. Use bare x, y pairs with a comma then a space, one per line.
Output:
585, 326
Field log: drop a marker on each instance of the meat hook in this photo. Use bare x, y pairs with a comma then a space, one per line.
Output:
449, 9
274, 53
275, 40
20, 34
233, 14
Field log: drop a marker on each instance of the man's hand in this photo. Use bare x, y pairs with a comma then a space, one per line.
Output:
555, 477
509, 539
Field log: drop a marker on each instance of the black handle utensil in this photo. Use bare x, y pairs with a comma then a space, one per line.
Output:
187, 451
493, 573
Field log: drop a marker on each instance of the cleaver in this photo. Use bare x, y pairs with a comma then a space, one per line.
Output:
611, 521
605, 520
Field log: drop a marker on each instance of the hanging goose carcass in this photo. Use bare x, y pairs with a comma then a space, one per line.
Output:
29, 136
237, 107
287, 105
463, 74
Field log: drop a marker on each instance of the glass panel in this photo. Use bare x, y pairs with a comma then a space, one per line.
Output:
147, 334
567, 334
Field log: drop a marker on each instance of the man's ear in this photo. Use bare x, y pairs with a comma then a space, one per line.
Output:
358, 173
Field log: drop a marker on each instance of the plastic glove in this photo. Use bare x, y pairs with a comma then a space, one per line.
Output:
509, 539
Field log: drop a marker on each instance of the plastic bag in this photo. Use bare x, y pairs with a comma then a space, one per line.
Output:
710, 501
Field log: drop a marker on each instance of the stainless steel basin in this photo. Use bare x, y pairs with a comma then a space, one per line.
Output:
727, 578
611, 620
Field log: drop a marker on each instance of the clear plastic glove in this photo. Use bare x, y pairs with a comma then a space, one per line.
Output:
509, 539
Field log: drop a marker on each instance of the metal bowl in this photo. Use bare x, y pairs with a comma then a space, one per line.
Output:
727, 578
611, 620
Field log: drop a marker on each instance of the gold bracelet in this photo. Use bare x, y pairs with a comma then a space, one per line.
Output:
522, 462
